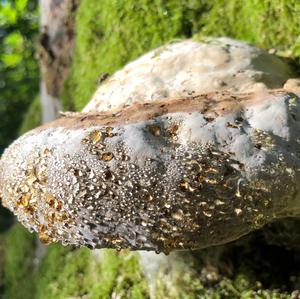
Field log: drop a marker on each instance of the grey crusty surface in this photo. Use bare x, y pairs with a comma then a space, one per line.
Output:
176, 174
190, 68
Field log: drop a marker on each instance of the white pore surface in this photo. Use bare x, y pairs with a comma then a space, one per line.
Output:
188, 68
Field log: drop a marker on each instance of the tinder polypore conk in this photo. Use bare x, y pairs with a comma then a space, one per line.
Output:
180, 171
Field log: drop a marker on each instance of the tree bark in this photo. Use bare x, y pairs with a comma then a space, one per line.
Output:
54, 51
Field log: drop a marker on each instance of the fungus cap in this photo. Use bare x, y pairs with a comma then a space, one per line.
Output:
190, 68
184, 172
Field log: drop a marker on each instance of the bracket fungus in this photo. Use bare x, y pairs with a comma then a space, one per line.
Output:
163, 158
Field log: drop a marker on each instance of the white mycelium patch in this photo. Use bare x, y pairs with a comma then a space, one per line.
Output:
177, 180
188, 68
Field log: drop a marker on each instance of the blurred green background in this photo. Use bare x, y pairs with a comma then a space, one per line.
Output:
110, 33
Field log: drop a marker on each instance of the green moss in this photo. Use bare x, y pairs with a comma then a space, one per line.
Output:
120, 274
66, 273
62, 273
111, 33
18, 250
266, 23
33, 117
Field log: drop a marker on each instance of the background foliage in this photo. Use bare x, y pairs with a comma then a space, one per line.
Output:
19, 75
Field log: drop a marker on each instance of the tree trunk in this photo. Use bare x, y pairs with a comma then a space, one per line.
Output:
54, 51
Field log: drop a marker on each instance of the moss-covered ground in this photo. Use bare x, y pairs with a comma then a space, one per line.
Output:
65, 272
248, 268
111, 33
